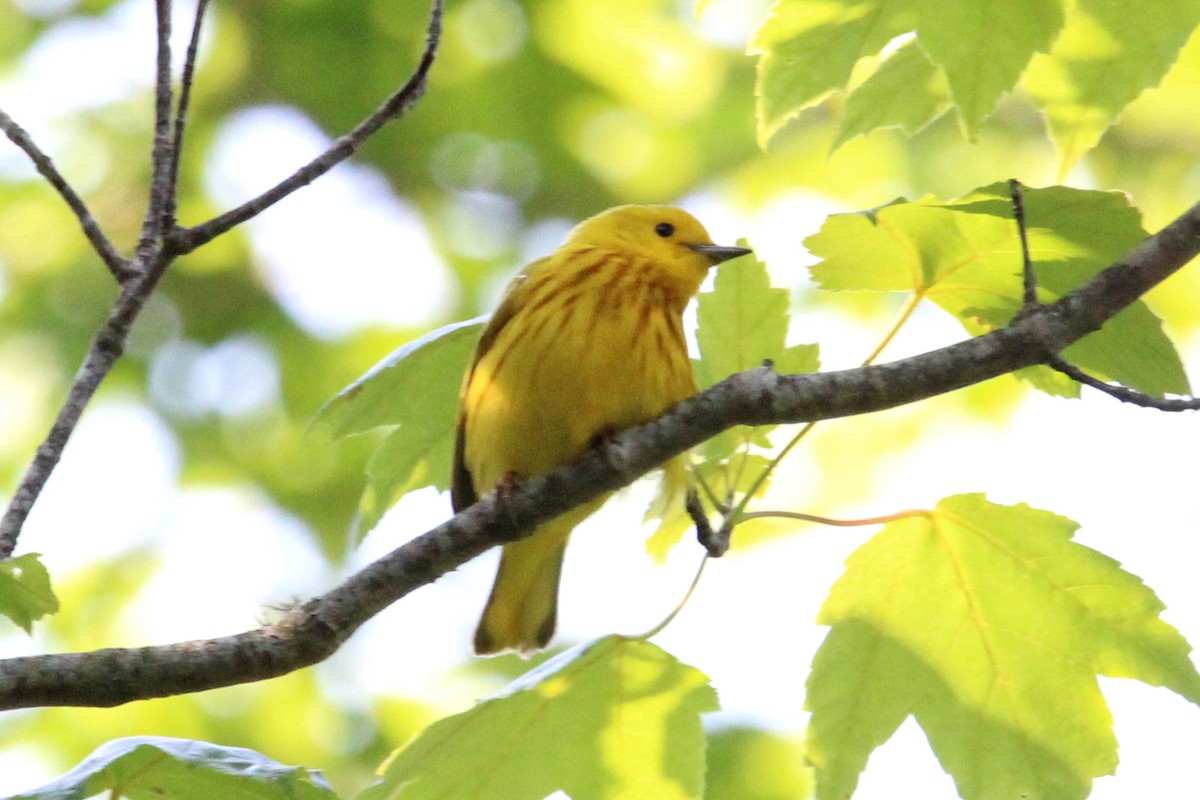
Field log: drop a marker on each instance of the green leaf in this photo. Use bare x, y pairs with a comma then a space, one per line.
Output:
906, 92
154, 767
808, 49
740, 324
750, 764
411, 457
988, 625
984, 45
416, 388
965, 257
417, 384
611, 718
1108, 53
25, 593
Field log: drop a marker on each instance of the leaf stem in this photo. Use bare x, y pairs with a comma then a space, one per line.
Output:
910, 305
738, 513
657, 629
839, 523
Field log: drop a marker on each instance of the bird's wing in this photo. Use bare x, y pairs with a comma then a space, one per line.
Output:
462, 486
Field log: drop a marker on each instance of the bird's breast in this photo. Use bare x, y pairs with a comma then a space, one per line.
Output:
576, 361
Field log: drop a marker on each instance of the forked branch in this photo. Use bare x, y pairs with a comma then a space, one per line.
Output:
117, 264
161, 241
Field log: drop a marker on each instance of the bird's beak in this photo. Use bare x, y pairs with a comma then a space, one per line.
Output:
717, 253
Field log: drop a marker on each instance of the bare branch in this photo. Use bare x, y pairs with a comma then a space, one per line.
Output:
1124, 393
313, 631
117, 264
185, 240
185, 96
160, 154
158, 247
106, 348
1029, 278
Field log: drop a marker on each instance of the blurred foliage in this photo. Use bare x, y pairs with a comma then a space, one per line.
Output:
539, 112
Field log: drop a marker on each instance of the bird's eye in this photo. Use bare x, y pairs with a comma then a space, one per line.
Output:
664, 229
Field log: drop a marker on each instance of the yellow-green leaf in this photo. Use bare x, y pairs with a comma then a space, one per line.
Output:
984, 45
965, 257
154, 767
415, 388
416, 384
989, 626
808, 49
615, 718
1108, 53
906, 92
25, 593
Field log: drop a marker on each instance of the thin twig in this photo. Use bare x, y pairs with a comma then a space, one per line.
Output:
707, 537
185, 240
1058, 363
1123, 393
185, 96
160, 153
1029, 278
117, 264
105, 349
154, 256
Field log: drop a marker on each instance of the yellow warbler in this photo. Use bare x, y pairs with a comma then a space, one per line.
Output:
586, 342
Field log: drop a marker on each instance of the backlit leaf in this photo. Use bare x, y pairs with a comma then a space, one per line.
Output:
1108, 53
154, 767
988, 625
614, 718
965, 257
25, 593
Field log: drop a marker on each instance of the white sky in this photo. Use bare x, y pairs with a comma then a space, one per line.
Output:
1049, 455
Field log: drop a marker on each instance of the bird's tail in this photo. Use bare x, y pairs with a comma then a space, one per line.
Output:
523, 607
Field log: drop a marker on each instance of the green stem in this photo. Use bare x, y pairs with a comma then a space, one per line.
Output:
657, 629
738, 512
910, 305
840, 523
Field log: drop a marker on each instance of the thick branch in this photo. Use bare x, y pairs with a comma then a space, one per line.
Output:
314, 631
117, 264
185, 240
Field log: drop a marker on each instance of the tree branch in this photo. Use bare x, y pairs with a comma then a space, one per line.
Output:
117, 264
177, 130
1124, 393
160, 152
159, 247
310, 633
106, 348
185, 240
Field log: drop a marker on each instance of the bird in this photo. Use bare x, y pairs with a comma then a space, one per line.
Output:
585, 342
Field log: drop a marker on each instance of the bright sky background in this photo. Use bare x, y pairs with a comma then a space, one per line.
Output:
1127, 475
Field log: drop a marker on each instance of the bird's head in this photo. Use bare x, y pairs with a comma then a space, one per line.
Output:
670, 239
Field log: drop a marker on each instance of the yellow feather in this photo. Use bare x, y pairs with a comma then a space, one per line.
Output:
587, 342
